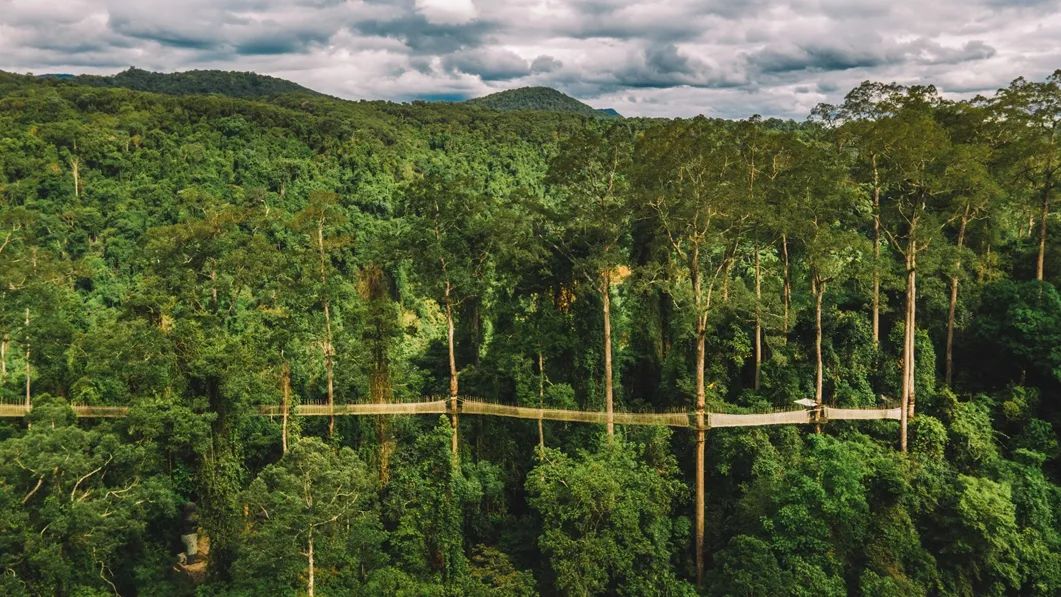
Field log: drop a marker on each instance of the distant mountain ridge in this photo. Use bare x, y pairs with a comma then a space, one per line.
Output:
244, 85
249, 85
540, 98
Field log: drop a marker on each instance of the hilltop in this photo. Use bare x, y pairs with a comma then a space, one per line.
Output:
539, 98
245, 85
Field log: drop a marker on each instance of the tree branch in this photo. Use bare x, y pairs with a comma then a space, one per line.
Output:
87, 475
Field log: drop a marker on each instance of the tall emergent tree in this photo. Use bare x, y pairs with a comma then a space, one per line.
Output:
589, 179
907, 164
865, 133
451, 242
689, 173
818, 201
973, 194
1029, 118
322, 222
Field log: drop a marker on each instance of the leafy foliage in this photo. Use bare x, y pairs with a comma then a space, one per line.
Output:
196, 258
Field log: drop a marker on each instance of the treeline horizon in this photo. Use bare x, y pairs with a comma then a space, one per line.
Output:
194, 257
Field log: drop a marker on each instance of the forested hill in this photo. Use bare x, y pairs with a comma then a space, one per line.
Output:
539, 98
194, 82
202, 259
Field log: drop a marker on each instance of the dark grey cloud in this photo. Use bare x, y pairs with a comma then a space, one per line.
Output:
424, 37
652, 57
820, 57
837, 55
545, 64
666, 59
490, 64
971, 51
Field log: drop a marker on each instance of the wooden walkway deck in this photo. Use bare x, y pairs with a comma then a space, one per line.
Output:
475, 407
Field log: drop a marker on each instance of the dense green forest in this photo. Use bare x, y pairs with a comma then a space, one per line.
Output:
195, 257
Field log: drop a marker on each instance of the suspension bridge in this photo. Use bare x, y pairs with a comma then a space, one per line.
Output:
471, 406
455, 406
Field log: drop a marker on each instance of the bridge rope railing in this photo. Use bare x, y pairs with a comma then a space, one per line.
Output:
467, 406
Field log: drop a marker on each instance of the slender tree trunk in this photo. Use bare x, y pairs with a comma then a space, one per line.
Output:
27, 365
329, 349
819, 375
380, 390
75, 170
876, 254
541, 397
3, 357
948, 376
454, 388
1043, 216
213, 287
329, 366
27, 379
701, 326
379, 378
949, 369
906, 405
701, 401
701, 349
310, 584
758, 322
606, 302
912, 338
453, 381
787, 290
285, 389
701, 440
725, 283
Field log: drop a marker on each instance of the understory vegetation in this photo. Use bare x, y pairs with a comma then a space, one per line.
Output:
195, 257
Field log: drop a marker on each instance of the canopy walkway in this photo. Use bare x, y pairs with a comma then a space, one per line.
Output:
467, 406
463, 406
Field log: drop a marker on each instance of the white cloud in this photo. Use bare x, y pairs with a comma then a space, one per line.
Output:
642, 57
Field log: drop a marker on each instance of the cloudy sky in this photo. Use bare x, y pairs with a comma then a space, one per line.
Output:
729, 58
